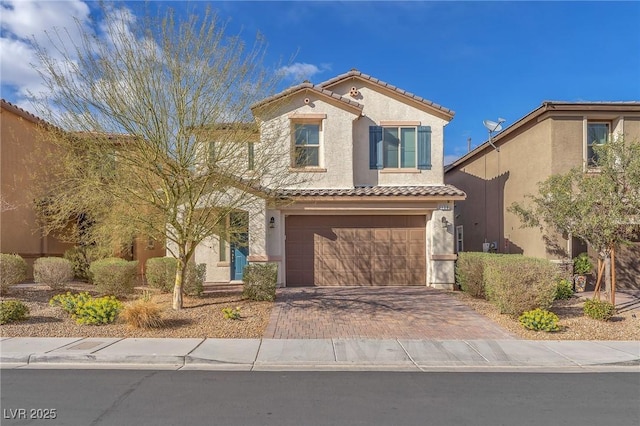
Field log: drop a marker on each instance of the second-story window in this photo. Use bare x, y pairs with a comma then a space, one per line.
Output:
306, 145
399, 147
597, 134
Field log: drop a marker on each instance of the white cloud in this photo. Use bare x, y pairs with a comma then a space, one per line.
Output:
448, 159
26, 21
300, 71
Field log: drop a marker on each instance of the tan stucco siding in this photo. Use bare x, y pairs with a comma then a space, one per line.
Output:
494, 181
632, 129
336, 157
21, 151
379, 107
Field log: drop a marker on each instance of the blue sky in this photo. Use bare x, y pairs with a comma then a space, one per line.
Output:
483, 60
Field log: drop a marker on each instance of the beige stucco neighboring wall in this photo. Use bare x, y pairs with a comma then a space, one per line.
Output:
493, 180
550, 140
20, 149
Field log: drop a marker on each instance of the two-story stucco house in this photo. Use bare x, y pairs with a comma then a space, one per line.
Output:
551, 139
372, 208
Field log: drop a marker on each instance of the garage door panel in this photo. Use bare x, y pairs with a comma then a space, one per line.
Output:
355, 250
382, 249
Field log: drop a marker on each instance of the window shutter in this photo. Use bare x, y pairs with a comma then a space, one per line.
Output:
424, 147
375, 147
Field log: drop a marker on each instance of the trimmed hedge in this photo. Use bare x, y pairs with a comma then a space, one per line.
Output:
114, 275
55, 272
161, 274
13, 269
470, 272
259, 281
516, 283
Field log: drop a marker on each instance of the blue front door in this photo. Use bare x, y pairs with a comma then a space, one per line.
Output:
239, 257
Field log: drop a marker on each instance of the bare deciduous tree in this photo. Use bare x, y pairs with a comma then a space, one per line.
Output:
158, 136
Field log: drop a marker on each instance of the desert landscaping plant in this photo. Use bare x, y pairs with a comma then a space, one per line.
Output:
13, 310
231, 313
599, 309
86, 310
55, 272
516, 283
143, 314
539, 320
582, 264
13, 269
564, 289
114, 276
470, 271
260, 281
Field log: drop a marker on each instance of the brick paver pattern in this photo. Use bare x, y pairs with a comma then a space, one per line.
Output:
376, 313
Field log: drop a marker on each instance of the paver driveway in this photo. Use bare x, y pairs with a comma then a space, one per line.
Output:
376, 312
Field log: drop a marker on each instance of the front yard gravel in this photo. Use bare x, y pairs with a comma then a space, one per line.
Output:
574, 325
201, 317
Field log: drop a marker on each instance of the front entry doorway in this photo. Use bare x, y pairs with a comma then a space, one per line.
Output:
239, 245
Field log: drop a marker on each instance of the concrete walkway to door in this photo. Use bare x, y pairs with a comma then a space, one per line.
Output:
376, 313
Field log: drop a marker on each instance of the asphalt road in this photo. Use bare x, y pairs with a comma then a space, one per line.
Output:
134, 397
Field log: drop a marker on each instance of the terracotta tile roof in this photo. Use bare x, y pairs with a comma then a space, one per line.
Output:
356, 73
377, 191
312, 87
21, 112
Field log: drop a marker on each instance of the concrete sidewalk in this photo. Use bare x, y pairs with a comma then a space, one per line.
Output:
320, 354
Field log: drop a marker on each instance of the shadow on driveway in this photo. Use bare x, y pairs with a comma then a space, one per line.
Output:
376, 313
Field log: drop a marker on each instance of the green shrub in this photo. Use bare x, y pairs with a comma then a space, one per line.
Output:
114, 276
564, 289
516, 283
86, 310
13, 310
231, 313
69, 302
55, 272
161, 274
81, 258
260, 281
582, 264
13, 269
539, 320
470, 271
598, 309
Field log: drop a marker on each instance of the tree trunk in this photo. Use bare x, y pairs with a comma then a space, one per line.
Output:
613, 276
177, 288
607, 274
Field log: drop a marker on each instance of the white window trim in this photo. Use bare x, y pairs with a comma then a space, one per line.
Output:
399, 125
585, 140
318, 119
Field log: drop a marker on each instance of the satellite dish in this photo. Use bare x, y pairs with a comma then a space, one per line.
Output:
492, 127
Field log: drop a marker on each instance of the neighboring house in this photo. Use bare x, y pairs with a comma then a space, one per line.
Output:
551, 139
373, 208
21, 150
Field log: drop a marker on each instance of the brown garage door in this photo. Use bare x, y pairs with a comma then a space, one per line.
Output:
355, 250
